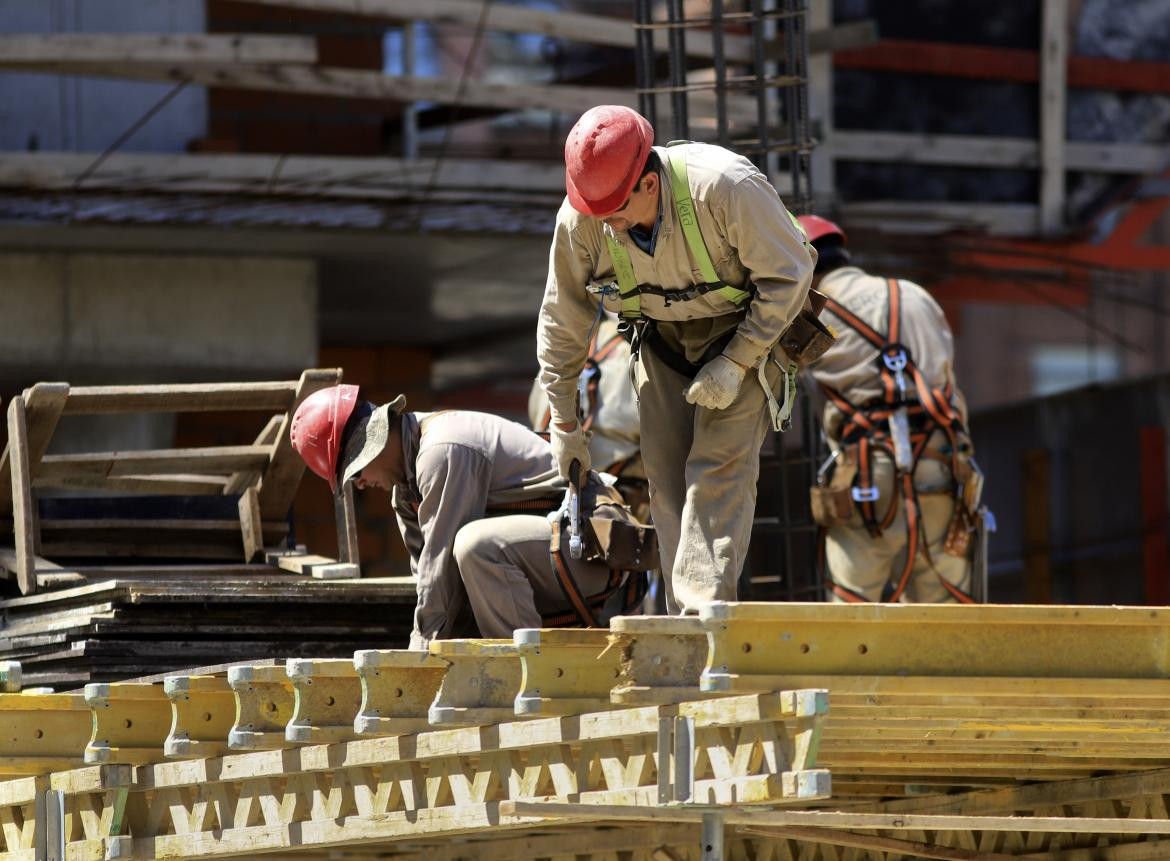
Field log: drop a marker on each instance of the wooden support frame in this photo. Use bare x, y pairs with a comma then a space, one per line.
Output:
157, 48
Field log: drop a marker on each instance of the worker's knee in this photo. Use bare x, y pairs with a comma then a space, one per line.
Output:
474, 542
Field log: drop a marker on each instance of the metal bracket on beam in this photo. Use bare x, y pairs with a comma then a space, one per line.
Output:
676, 758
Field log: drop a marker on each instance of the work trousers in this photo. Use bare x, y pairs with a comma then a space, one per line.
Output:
863, 564
507, 572
702, 466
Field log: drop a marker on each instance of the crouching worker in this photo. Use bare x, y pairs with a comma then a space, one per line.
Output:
472, 492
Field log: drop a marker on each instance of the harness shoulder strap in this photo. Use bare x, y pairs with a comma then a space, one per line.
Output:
685, 207
627, 282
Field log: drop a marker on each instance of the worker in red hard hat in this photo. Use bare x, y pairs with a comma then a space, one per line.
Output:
447, 472
692, 247
899, 500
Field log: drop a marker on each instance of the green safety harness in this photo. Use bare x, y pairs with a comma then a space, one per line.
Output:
630, 292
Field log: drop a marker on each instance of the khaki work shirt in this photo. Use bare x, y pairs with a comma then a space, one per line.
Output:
752, 244
850, 366
458, 464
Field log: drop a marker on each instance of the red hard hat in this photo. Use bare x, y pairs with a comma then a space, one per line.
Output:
317, 426
816, 227
604, 156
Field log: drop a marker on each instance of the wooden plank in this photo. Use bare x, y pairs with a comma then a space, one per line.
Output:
1054, 38
988, 151
934, 217
201, 461
175, 485
346, 523
43, 405
26, 48
572, 26
23, 513
251, 525
833, 819
909, 848
285, 468
360, 84
180, 398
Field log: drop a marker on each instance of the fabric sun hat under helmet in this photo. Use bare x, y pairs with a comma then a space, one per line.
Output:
605, 153
366, 440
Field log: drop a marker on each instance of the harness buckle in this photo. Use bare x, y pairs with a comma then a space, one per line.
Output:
896, 362
865, 494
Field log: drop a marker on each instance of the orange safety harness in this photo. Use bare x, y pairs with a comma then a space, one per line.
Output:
924, 410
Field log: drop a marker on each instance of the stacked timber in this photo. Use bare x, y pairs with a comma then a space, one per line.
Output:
119, 629
124, 564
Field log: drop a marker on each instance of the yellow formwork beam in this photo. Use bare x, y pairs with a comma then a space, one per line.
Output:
203, 709
327, 699
264, 706
131, 721
565, 671
754, 645
440, 782
480, 685
661, 658
398, 686
40, 733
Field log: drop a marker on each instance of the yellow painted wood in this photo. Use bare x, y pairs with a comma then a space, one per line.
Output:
752, 644
661, 659
203, 709
130, 722
40, 733
327, 697
565, 671
398, 686
480, 685
264, 706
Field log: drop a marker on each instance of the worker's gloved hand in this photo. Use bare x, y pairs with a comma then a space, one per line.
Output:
716, 384
570, 445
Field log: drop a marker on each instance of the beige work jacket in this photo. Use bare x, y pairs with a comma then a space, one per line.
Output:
850, 365
458, 464
752, 243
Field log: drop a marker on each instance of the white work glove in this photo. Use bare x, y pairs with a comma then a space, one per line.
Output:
568, 446
716, 384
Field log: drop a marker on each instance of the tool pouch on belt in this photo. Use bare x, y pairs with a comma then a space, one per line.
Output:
961, 530
612, 536
807, 338
832, 504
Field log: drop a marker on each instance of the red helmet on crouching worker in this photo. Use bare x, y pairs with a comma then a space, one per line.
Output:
816, 227
604, 156
317, 427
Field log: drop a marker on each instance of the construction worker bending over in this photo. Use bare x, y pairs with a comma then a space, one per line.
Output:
692, 246
898, 506
446, 471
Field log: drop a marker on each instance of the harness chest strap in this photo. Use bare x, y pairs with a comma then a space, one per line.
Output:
684, 206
